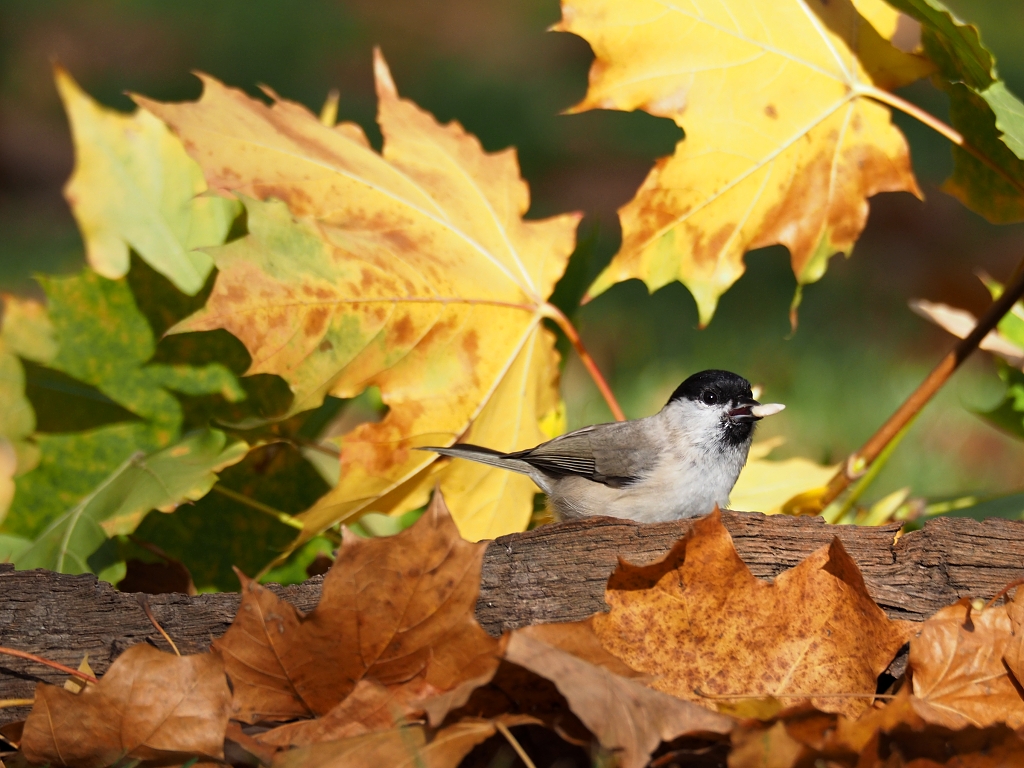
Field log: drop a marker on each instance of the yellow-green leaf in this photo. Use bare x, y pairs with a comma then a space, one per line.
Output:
981, 107
102, 339
765, 485
135, 187
25, 331
412, 271
782, 143
8, 467
182, 472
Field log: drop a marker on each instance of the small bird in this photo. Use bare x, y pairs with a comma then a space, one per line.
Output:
680, 462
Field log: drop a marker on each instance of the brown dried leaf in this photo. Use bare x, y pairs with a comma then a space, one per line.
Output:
624, 715
519, 691
397, 610
701, 622
890, 736
958, 671
11, 732
369, 708
580, 639
765, 747
1014, 653
854, 734
411, 747
437, 706
148, 706
900, 734
258, 651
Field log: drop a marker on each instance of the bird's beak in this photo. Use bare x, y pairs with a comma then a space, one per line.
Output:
746, 409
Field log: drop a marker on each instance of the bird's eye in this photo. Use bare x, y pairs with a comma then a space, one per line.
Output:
708, 397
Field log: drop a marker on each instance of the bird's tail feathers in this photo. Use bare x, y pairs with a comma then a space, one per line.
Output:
483, 456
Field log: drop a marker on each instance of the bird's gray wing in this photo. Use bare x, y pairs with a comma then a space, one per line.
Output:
614, 454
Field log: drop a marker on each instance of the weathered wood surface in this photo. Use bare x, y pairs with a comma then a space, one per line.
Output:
555, 573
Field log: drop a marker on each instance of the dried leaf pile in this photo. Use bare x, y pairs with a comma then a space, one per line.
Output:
695, 660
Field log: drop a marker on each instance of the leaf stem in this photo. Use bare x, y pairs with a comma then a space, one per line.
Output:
948, 131
503, 729
56, 665
859, 461
313, 445
143, 601
835, 512
1012, 585
563, 322
281, 517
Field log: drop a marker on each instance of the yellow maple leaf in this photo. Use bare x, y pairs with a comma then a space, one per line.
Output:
411, 270
882, 16
783, 143
134, 186
765, 485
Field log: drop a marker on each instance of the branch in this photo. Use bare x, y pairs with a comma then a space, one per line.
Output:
859, 461
259, 506
563, 322
555, 573
947, 131
46, 662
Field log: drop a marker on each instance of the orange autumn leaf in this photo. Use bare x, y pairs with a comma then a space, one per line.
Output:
705, 626
412, 271
957, 668
904, 726
149, 705
1014, 653
759, 745
398, 611
891, 736
783, 143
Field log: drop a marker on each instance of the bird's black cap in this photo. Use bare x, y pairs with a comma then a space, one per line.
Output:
726, 386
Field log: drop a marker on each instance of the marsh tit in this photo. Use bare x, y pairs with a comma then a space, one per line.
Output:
680, 462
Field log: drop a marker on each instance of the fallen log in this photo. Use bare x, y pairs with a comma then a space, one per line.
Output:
552, 574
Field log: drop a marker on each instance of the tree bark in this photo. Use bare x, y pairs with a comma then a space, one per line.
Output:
552, 574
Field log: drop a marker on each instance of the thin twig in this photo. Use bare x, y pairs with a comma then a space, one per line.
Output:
503, 729
563, 322
55, 665
152, 549
329, 111
143, 601
942, 128
5, 703
313, 445
680, 756
835, 512
281, 517
1012, 585
730, 696
860, 460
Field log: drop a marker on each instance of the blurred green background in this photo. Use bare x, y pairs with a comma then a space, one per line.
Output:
491, 65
